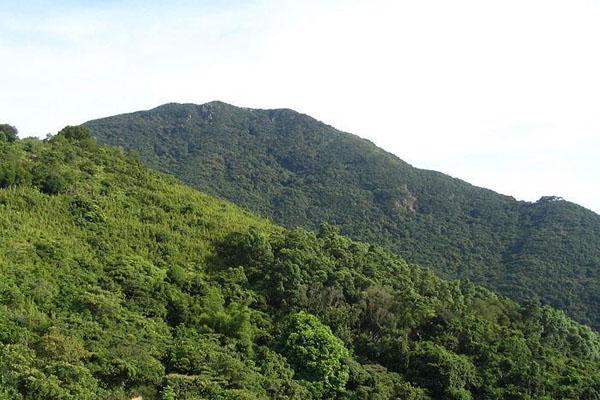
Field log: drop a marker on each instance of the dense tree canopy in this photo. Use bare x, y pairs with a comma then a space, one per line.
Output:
123, 282
301, 172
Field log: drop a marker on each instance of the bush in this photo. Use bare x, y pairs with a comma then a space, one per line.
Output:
13, 173
50, 182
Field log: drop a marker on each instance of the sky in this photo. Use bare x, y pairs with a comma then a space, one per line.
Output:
502, 94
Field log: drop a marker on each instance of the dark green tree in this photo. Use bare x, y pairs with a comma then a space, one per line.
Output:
75, 133
446, 374
8, 133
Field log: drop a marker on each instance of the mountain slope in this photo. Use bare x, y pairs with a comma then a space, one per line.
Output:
118, 281
302, 172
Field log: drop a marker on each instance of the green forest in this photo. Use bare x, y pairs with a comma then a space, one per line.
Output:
301, 172
118, 281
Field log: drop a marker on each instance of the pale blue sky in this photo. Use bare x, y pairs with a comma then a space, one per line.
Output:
503, 94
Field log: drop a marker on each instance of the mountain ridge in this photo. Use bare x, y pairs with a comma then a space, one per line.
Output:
220, 103
301, 172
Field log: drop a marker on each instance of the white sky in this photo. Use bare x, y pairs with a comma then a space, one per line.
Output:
503, 94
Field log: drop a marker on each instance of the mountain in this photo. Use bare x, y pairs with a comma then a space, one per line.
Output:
117, 281
301, 172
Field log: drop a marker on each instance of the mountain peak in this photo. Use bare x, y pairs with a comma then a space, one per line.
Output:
302, 172
215, 104
551, 198
186, 112
219, 103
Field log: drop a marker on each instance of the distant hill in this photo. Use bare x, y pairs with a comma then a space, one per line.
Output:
301, 172
117, 281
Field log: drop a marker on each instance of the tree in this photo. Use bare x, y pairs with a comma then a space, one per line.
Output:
75, 133
315, 353
8, 133
446, 374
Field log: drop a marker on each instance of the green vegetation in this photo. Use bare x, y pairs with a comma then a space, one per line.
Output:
8, 133
301, 172
118, 281
315, 353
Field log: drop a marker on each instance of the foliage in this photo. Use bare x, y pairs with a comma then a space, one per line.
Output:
75, 133
301, 172
315, 353
125, 282
8, 133
446, 374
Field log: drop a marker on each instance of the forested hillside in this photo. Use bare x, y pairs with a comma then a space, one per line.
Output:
301, 172
117, 281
